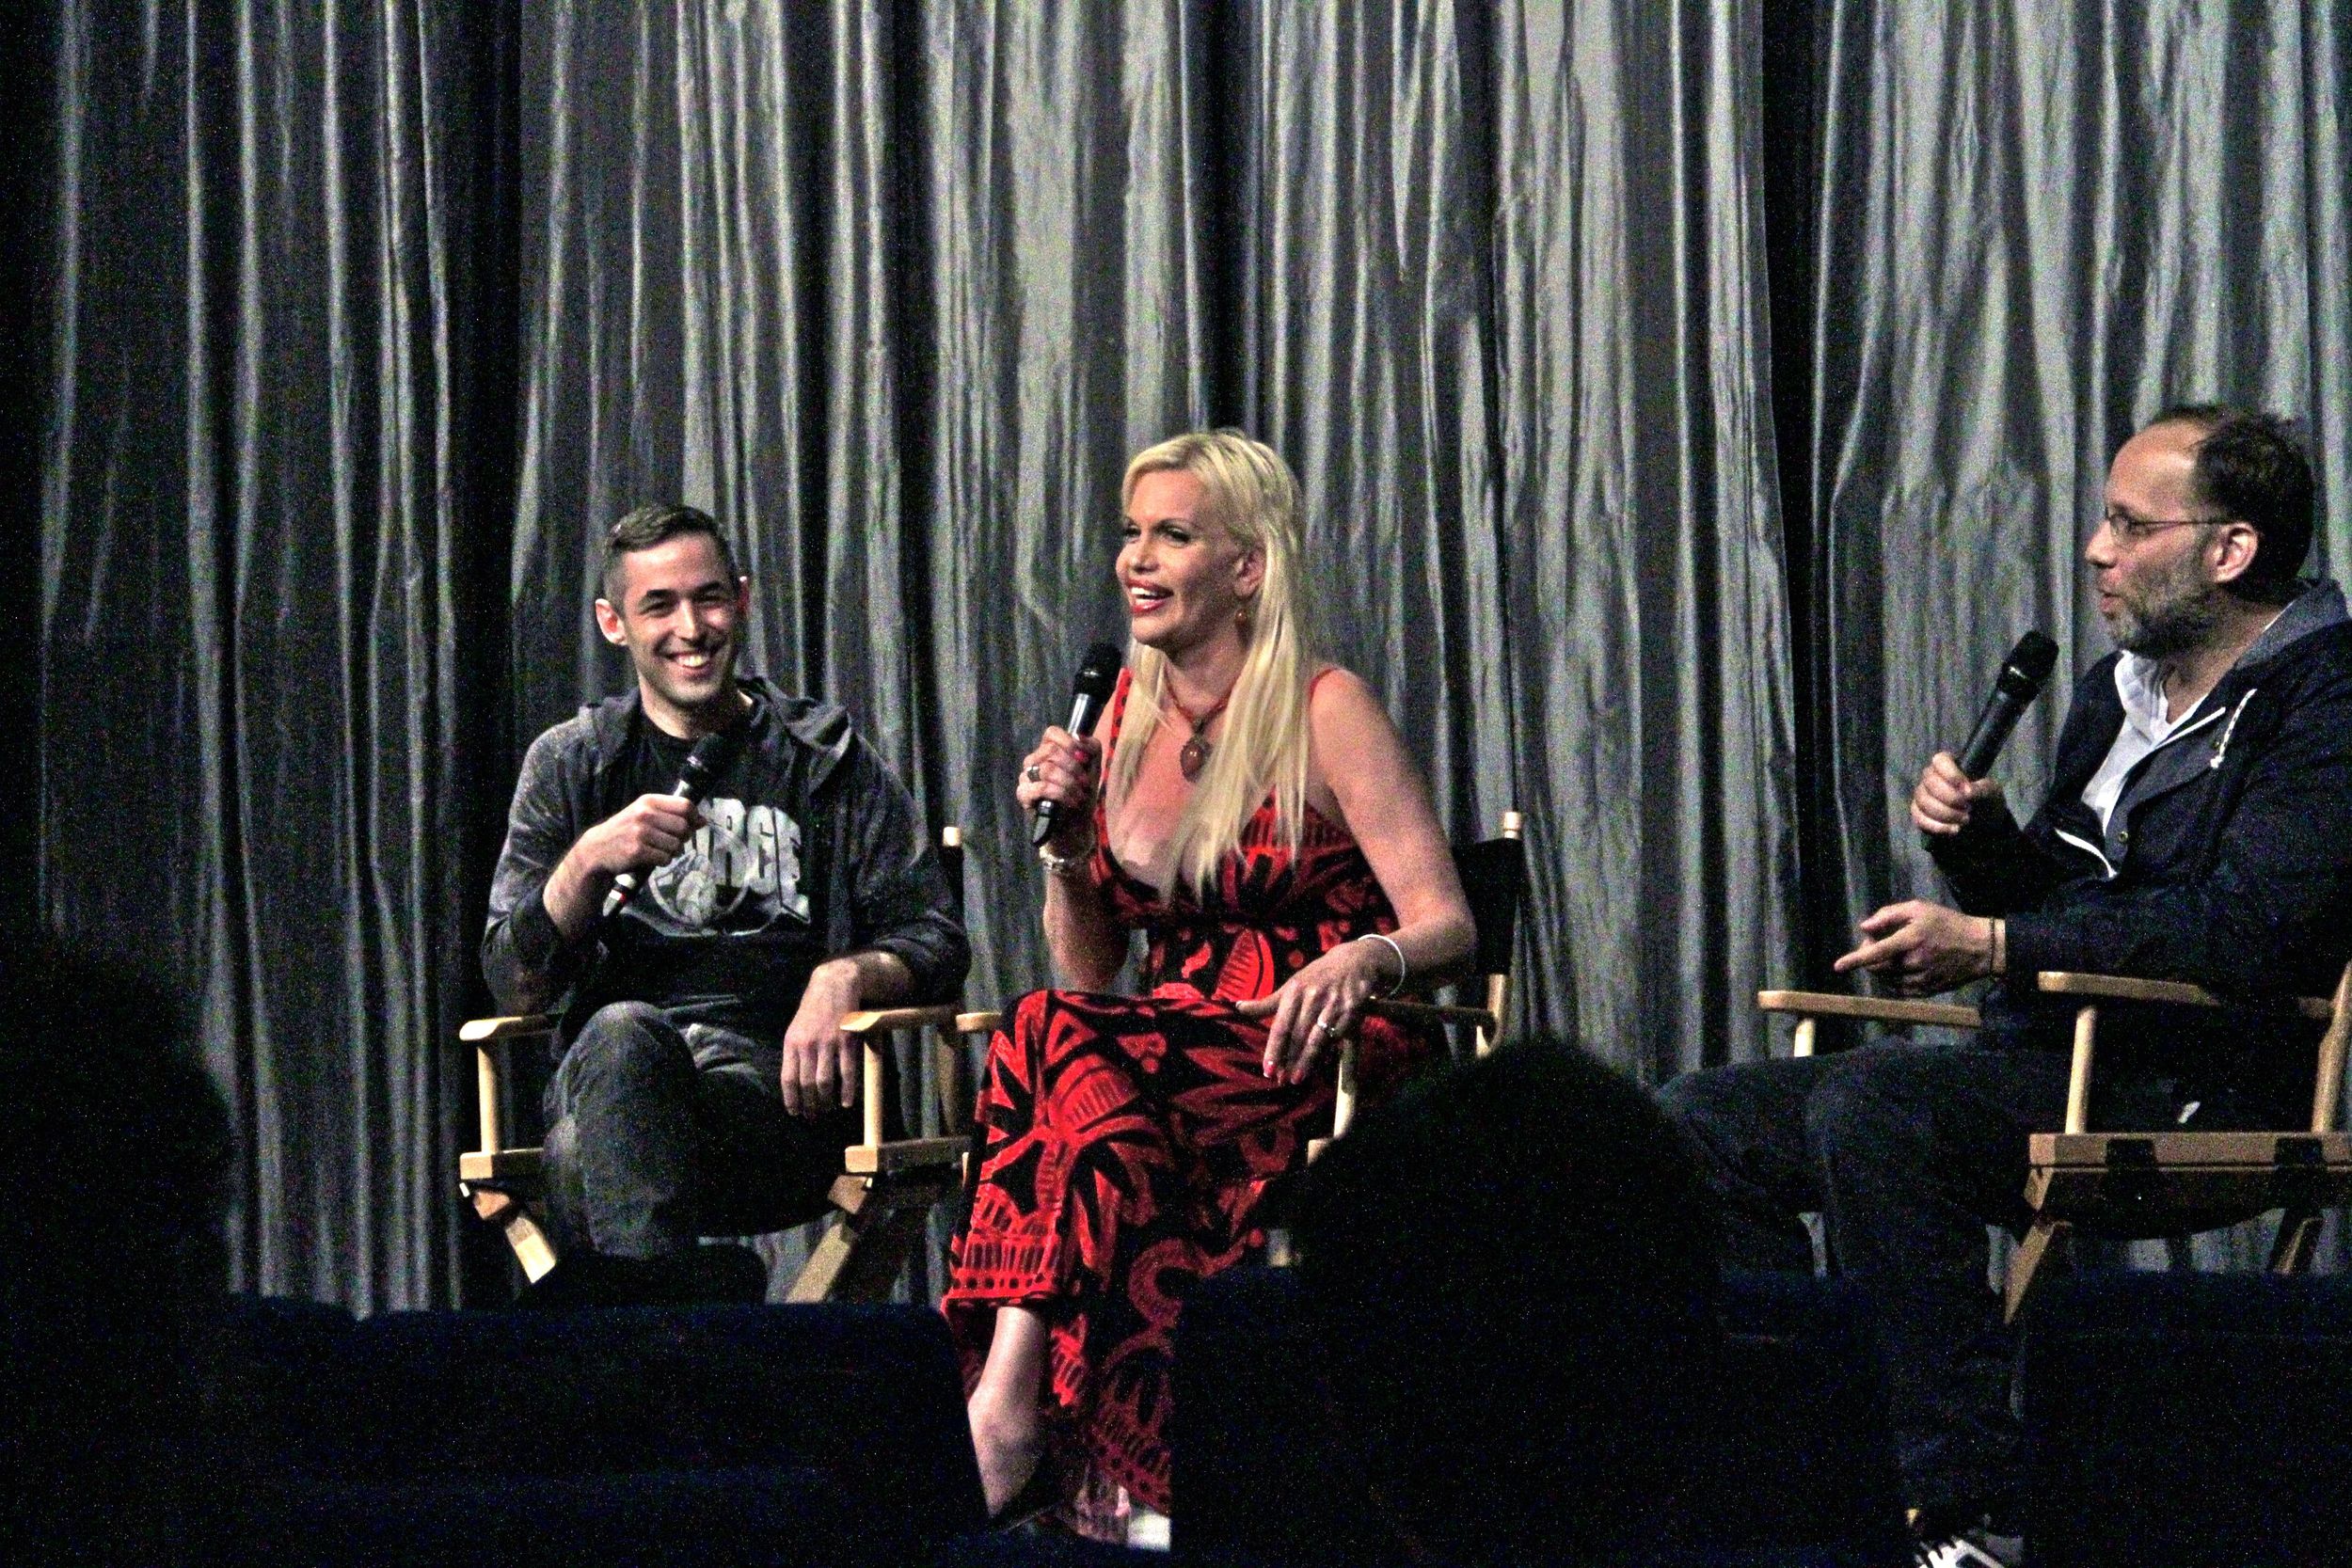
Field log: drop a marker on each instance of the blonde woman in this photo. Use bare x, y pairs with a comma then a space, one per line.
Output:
1254, 814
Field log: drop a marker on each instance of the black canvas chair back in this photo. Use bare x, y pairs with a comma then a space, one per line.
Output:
952, 864
1494, 881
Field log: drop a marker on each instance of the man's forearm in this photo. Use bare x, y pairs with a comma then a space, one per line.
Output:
529, 959
1991, 866
865, 979
574, 896
529, 951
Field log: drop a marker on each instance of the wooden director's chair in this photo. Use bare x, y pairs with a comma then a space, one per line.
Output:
880, 1199
2138, 1186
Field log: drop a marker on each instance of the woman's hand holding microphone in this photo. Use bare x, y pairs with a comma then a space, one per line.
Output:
1066, 769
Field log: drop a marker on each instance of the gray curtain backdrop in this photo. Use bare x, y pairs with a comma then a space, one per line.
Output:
896, 291
256, 730
365, 320
2043, 223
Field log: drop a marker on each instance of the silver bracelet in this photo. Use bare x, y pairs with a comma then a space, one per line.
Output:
1070, 868
1404, 970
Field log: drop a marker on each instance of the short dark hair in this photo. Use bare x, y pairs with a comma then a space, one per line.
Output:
658, 524
2250, 467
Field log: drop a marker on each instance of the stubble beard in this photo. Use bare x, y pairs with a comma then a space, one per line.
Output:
2181, 614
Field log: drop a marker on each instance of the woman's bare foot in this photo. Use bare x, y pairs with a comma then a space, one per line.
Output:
1008, 1446
1007, 1431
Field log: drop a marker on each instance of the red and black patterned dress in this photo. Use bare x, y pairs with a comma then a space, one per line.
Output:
1131, 1140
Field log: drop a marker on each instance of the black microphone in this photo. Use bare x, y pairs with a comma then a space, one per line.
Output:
711, 756
2019, 683
1088, 693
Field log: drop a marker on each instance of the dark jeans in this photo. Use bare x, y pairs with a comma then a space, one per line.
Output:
659, 1132
1907, 1152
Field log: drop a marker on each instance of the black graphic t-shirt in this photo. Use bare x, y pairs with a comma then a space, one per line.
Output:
725, 927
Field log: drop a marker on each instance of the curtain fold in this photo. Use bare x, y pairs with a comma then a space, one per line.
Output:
895, 288
253, 753
907, 360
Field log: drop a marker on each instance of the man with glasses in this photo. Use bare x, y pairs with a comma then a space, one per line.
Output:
2197, 826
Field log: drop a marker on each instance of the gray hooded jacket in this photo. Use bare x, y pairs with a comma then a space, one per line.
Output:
869, 879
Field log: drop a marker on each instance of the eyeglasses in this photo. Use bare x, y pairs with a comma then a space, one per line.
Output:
2131, 529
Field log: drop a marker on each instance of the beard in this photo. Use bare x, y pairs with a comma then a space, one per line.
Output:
2174, 612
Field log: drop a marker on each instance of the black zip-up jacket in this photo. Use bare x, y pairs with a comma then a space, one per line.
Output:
2227, 861
872, 880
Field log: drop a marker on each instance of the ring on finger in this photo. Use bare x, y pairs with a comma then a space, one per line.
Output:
1034, 775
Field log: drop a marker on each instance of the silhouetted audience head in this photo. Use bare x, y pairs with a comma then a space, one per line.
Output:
114, 1154
1513, 1268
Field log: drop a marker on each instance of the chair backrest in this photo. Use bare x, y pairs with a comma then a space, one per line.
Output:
1494, 881
930, 1073
952, 864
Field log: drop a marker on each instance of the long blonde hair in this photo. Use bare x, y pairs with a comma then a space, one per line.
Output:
1247, 490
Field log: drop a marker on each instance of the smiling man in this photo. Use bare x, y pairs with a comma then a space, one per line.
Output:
704, 1084
2197, 826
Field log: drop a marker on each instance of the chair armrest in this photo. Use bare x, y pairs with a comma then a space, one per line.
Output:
1398, 1011
2094, 988
482, 1034
2119, 987
480, 1031
1877, 1009
504, 1164
885, 1019
1426, 1012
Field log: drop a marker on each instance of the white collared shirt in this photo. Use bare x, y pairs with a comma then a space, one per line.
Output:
2140, 682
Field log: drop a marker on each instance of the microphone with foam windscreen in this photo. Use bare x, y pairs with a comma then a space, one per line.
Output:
2019, 683
1088, 692
711, 756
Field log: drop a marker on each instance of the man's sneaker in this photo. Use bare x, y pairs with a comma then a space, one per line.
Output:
1960, 1536
1971, 1548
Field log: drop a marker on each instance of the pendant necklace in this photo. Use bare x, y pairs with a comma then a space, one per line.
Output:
1194, 756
